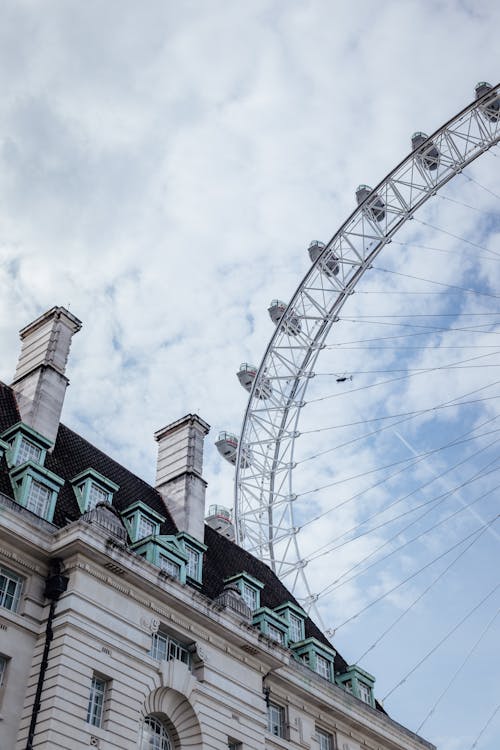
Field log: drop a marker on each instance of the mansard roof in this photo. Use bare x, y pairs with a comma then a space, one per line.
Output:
72, 455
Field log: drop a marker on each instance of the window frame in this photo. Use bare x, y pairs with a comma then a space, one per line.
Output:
96, 706
133, 515
23, 476
15, 435
166, 740
276, 709
330, 739
243, 580
11, 575
83, 484
171, 649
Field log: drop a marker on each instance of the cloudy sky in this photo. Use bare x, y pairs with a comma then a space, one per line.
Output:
164, 167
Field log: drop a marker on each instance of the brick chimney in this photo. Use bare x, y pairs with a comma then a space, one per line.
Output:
40, 382
178, 472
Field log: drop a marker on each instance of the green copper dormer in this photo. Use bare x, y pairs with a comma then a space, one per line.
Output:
91, 488
141, 521
271, 624
4, 447
316, 656
194, 551
36, 488
358, 682
25, 444
249, 587
295, 618
165, 552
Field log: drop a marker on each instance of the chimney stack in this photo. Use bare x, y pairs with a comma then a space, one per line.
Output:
179, 472
40, 382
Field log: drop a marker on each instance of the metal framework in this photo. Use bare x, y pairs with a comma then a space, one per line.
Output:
264, 498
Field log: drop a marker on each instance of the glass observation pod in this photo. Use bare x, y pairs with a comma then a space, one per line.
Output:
491, 107
276, 311
247, 374
428, 155
330, 266
375, 207
227, 445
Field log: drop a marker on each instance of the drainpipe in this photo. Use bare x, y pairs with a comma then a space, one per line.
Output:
55, 585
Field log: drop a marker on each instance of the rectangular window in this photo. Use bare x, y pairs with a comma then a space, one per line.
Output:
28, 452
95, 710
276, 720
193, 563
170, 567
3, 668
326, 741
323, 666
165, 648
365, 693
275, 633
249, 594
96, 495
295, 628
38, 500
234, 745
145, 527
348, 686
10, 589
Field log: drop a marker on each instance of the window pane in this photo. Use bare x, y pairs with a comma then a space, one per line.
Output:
322, 666
192, 563
95, 708
295, 628
250, 596
325, 740
169, 566
3, 665
364, 692
165, 648
38, 500
154, 735
276, 720
146, 527
96, 495
10, 589
28, 452
275, 633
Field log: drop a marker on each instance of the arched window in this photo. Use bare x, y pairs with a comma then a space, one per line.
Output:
155, 736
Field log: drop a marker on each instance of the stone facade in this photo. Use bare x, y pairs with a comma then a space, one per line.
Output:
101, 646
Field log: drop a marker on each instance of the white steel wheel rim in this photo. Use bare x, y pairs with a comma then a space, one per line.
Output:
264, 498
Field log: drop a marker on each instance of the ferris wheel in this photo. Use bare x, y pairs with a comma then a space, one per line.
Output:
268, 517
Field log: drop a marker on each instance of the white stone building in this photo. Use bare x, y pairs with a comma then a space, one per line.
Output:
126, 622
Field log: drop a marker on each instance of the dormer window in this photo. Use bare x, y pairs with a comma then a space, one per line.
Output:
359, 683
295, 617
92, 488
169, 566
28, 451
194, 557
249, 587
271, 625
25, 444
36, 488
141, 521
38, 499
317, 656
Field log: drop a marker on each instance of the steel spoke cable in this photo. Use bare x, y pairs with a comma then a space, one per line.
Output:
458, 670
464, 289
406, 369
476, 182
445, 638
461, 203
456, 236
428, 328
342, 579
407, 579
485, 727
415, 602
347, 344
434, 502
417, 412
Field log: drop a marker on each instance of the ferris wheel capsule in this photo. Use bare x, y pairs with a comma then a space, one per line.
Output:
247, 374
227, 445
491, 106
276, 311
427, 155
329, 266
375, 207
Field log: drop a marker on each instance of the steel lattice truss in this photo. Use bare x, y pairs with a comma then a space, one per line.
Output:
264, 498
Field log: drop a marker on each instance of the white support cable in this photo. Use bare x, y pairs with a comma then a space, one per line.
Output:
485, 727
457, 671
443, 640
